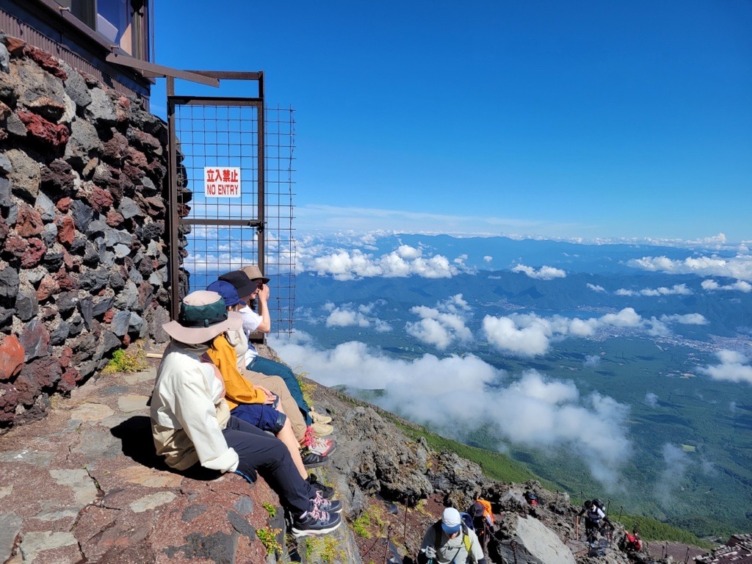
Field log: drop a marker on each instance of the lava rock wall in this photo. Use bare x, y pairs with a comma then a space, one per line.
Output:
83, 227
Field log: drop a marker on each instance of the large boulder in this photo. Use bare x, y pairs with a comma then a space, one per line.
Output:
525, 540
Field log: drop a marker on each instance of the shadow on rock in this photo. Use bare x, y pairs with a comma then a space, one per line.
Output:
137, 444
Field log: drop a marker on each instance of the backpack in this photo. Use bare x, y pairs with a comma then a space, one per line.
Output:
482, 519
465, 537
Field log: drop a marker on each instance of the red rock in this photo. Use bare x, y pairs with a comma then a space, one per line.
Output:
114, 150
8, 402
47, 62
34, 253
68, 380
11, 357
72, 262
44, 131
100, 199
108, 315
47, 287
29, 222
15, 45
66, 230
15, 245
114, 218
64, 280
64, 204
65, 357
136, 157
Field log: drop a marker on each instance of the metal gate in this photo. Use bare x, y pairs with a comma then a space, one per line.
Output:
230, 196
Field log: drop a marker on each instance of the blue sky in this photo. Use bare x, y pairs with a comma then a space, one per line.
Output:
563, 120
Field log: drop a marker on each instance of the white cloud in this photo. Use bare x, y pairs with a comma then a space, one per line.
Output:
733, 367
675, 290
592, 361
405, 261
543, 273
505, 334
686, 319
596, 287
627, 317
651, 399
487, 258
676, 463
738, 286
443, 325
530, 335
532, 411
739, 267
349, 315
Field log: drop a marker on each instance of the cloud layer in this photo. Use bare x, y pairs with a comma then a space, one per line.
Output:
531, 410
739, 267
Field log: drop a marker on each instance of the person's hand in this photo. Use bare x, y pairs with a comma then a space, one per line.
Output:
264, 292
270, 397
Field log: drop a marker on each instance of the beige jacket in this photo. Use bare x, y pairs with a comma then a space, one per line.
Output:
188, 412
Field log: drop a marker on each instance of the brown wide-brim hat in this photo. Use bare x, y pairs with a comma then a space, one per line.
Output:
254, 273
203, 316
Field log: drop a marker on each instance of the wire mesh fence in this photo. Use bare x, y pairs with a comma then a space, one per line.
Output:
238, 195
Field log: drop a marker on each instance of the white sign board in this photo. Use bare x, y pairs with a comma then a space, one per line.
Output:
222, 181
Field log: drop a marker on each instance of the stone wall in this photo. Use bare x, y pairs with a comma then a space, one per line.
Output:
83, 251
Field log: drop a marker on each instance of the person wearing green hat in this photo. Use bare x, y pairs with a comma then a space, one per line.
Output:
192, 425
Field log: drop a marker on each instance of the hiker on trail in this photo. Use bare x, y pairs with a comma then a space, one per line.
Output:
258, 290
192, 426
450, 541
250, 400
595, 519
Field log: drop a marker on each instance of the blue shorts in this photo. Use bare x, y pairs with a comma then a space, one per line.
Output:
261, 415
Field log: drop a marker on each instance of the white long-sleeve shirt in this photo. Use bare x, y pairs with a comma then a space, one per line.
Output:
188, 412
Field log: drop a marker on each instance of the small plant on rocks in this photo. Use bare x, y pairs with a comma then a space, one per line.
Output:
126, 361
268, 538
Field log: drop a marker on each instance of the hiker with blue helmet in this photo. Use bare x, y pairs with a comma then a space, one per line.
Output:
192, 427
450, 541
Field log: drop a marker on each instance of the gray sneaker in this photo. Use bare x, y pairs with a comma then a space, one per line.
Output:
315, 522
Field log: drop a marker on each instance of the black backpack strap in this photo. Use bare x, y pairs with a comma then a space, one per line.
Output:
437, 530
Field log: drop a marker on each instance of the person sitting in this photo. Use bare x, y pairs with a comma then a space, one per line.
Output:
192, 426
250, 401
450, 540
258, 290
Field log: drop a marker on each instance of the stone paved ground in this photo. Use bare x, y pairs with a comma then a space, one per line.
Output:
84, 485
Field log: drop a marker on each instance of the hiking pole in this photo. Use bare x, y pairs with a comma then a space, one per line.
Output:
386, 547
404, 528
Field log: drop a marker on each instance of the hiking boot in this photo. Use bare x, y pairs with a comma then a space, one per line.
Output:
328, 505
325, 490
312, 459
324, 447
319, 417
322, 429
315, 522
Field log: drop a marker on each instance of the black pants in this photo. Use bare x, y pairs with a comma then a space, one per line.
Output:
269, 456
